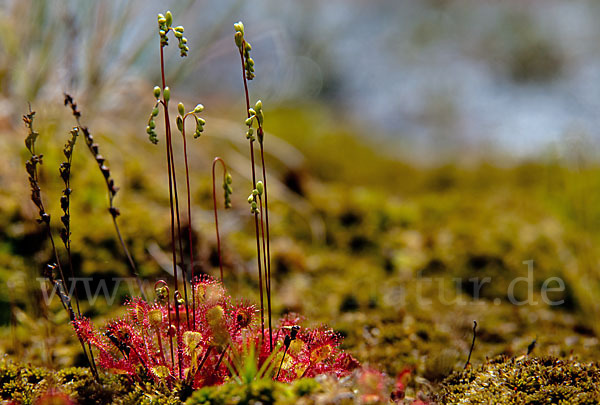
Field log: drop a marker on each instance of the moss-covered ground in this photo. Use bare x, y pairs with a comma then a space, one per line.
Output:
386, 252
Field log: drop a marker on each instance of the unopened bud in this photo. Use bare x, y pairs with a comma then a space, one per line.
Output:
238, 39
156, 91
239, 27
181, 108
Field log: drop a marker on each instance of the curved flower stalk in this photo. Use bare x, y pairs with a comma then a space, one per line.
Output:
135, 344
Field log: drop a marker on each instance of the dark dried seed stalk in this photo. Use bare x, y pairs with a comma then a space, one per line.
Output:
472, 344
65, 202
31, 168
110, 185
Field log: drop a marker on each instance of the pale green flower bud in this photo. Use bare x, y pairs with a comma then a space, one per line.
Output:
258, 105
198, 109
181, 108
260, 187
239, 27
167, 93
238, 39
156, 91
169, 18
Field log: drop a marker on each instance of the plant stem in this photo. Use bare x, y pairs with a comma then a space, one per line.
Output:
90, 357
111, 192
214, 192
160, 346
191, 245
260, 282
472, 344
221, 358
267, 286
281, 364
170, 169
268, 255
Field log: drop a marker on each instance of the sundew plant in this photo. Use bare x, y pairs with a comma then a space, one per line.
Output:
191, 333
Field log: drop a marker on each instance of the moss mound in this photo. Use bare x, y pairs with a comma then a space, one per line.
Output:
546, 380
23, 384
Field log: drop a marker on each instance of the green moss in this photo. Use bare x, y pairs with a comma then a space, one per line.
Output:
261, 391
24, 384
525, 381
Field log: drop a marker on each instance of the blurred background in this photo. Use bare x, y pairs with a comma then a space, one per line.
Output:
406, 140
